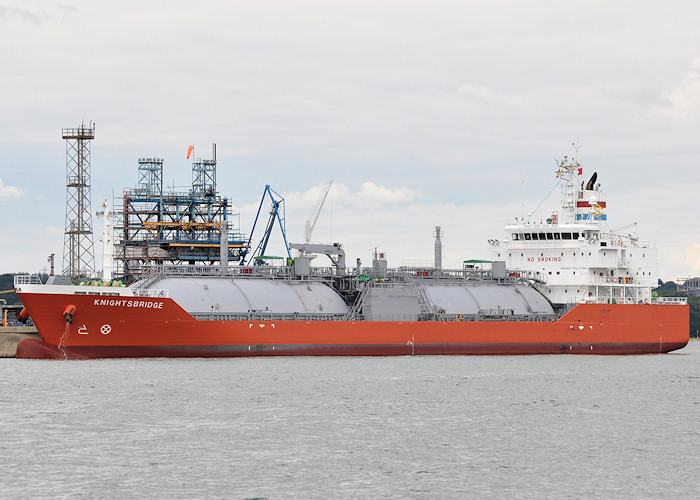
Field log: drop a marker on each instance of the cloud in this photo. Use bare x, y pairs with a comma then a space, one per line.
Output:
369, 195
35, 14
684, 100
376, 195
479, 93
10, 192
692, 258
12, 13
391, 218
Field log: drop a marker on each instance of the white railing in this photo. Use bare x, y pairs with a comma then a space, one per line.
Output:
27, 279
671, 300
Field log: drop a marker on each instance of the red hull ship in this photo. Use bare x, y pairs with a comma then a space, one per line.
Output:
163, 329
567, 285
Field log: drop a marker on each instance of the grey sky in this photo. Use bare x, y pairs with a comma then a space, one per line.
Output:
423, 113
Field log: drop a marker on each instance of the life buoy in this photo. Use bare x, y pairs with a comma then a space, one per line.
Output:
646, 301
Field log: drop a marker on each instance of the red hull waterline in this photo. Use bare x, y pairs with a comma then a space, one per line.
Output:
159, 327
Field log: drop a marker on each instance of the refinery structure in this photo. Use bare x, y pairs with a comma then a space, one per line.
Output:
158, 227
150, 226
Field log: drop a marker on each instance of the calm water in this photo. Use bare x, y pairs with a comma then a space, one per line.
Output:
416, 427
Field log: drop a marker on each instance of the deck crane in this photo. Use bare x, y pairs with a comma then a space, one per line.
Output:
276, 214
313, 218
334, 252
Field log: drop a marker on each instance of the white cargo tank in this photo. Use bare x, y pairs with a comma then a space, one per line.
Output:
228, 295
472, 299
405, 302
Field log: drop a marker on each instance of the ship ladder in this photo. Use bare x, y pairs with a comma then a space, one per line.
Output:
357, 306
426, 305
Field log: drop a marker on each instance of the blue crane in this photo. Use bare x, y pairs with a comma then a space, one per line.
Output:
276, 214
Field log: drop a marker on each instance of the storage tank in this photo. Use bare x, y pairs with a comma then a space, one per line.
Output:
241, 295
405, 302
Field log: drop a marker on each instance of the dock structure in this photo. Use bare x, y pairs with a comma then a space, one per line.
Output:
10, 336
159, 227
691, 286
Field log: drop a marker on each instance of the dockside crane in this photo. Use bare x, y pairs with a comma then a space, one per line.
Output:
276, 214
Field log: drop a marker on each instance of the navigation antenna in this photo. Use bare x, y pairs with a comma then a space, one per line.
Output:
569, 168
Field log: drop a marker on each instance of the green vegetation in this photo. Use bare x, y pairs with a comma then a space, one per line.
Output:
7, 282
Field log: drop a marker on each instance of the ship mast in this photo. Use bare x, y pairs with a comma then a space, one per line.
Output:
568, 168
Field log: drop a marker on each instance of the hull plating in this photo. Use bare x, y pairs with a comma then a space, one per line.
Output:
152, 327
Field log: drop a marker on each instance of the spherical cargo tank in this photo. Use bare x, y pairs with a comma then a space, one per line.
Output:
241, 295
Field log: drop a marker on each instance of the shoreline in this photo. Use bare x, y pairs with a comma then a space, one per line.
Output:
10, 336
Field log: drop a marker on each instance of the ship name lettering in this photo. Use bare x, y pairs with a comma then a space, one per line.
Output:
129, 303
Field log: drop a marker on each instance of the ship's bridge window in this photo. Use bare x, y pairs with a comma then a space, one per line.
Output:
515, 237
565, 236
527, 236
550, 236
575, 236
542, 236
557, 236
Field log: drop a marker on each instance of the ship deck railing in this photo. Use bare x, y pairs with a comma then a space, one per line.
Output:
632, 300
26, 279
328, 273
152, 292
615, 281
184, 271
671, 300
435, 317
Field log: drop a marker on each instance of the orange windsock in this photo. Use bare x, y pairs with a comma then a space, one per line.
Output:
189, 151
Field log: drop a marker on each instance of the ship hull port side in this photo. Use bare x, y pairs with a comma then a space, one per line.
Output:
162, 328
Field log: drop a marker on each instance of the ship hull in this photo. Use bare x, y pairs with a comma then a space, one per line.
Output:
159, 327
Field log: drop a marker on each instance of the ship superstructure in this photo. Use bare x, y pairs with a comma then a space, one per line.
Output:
578, 256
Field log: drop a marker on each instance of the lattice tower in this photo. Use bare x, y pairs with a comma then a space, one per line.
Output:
78, 254
204, 176
151, 176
